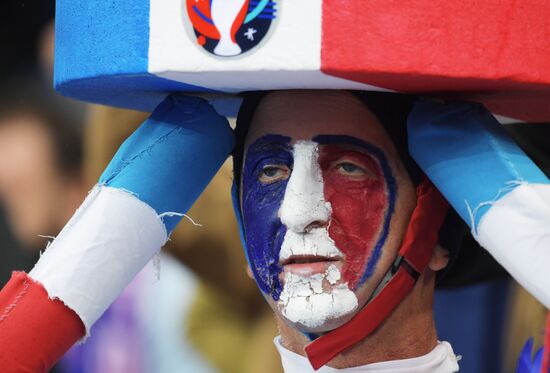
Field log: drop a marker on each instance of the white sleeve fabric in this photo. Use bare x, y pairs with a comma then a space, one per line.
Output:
106, 243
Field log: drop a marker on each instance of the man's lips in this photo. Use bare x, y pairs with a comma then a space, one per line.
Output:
307, 259
307, 265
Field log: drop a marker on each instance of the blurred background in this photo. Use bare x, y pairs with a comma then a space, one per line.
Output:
52, 150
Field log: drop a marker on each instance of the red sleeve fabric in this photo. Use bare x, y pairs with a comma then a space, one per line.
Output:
35, 331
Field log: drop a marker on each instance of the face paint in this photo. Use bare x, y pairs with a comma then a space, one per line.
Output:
304, 208
362, 190
263, 230
312, 293
322, 213
304, 299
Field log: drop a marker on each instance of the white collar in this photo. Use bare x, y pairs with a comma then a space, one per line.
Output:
440, 360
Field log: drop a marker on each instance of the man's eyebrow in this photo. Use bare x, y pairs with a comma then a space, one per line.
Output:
269, 143
375, 151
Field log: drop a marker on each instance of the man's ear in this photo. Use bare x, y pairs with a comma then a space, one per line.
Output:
440, 259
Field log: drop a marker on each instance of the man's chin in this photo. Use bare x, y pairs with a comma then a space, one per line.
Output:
317, 312
327, 326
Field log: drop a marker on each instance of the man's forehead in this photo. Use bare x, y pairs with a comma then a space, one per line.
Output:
303, 115
279, 143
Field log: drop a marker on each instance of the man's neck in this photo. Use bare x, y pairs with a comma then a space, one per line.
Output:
408, 332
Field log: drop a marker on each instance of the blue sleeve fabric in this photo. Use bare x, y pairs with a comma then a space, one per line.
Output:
170, 159
467, 154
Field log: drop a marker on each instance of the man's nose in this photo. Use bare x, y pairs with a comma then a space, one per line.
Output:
304, 206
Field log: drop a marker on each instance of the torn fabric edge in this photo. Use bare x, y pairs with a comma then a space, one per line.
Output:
468, 156
110, 238
4, 314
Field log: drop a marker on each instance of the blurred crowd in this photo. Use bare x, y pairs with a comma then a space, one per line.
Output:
52, 150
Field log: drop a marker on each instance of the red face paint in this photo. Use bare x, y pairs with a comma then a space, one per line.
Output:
356, 187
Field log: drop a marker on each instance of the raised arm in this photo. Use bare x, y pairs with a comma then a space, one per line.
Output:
153, 179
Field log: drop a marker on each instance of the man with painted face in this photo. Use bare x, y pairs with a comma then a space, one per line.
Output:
341, 246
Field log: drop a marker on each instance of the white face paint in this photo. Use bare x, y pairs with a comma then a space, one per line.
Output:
305, 301
312, 294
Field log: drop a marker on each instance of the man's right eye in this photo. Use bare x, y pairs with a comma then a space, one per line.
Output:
273, 173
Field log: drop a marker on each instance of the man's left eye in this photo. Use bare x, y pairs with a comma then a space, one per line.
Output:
350, 169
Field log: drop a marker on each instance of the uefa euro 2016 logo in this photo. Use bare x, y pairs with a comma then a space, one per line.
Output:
230, 27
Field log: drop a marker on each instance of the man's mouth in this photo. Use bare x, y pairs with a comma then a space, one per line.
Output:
305, 259
306, 265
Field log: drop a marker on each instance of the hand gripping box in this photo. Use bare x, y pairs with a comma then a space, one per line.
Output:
131, 53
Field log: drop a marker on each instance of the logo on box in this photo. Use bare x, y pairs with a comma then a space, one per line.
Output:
229, 28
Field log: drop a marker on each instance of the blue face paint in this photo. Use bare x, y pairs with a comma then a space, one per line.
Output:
263, 231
